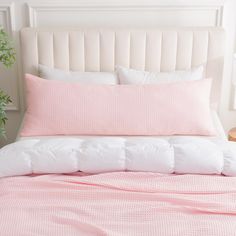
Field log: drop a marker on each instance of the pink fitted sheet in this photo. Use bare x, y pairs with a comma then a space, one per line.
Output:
121, 203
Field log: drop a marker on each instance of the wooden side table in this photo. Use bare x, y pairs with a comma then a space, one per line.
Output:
232, 135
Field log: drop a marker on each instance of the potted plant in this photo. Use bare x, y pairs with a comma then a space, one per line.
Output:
7, 58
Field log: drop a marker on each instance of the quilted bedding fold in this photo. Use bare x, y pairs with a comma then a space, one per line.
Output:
182, 155
118, 204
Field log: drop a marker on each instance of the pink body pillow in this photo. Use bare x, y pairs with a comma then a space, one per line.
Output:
62, 108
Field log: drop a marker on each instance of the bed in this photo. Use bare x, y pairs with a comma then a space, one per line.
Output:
120, 202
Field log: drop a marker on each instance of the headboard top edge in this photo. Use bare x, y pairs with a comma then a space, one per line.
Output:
25, 29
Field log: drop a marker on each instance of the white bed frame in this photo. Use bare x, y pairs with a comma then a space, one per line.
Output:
161, 49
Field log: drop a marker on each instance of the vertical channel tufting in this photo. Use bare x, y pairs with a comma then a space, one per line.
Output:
137, 50
37, 49
145, 50
177, 49
129, 49
210, 66
184, 50
45, 48
61, 50
91, 41
112, 63
215, 49
153, 51
161, 50
122, 48
84, 55
191, 63
107, 50
68, 50
53, 49
208, 43
85, 52
169, 47
200, 48
215, 59
99, 51
113, 51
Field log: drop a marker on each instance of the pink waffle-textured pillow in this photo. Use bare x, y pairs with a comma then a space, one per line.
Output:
62, 108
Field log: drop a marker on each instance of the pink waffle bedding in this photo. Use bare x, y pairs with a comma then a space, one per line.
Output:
121, 203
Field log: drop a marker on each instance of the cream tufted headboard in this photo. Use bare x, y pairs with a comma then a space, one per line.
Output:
161, 49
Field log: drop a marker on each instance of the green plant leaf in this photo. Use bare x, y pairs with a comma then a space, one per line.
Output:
4, 101
7, 50
7, 58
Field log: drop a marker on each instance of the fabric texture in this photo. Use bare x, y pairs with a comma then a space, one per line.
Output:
183, 155
57, 107
76, 76
131, 76
160, 49
215, 118
118, 204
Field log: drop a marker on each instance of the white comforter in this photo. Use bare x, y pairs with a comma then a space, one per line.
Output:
95, 155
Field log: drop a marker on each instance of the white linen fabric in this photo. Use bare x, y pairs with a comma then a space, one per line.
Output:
131, 76
192, 155
77, 76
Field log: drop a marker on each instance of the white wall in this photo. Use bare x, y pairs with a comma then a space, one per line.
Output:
15, 14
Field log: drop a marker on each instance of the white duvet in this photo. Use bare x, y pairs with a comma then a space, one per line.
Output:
180, 155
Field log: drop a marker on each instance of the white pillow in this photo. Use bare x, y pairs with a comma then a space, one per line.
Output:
131, 76
77, 76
